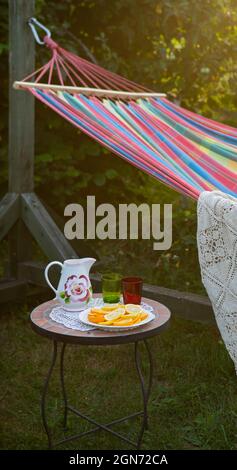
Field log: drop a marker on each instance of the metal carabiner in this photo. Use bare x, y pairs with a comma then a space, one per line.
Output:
32, 22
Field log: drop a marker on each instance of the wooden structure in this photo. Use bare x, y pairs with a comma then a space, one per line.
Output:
22, 215
100, 93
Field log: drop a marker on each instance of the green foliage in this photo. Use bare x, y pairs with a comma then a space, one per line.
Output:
185, 48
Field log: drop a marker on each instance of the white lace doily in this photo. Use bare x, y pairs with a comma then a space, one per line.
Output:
217, 250
70, 319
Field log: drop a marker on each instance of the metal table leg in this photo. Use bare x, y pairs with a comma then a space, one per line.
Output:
150, 373
44, 393
145, 389
63, 386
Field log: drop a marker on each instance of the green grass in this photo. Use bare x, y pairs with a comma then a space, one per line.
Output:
193, 403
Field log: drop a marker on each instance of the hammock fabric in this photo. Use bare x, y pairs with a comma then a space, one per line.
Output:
182, 149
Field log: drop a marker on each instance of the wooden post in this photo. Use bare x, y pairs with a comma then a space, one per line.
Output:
21, 212
21, 122
21, 105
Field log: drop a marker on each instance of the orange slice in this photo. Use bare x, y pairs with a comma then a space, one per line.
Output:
143, 316
95, 318
123, 322
106, 322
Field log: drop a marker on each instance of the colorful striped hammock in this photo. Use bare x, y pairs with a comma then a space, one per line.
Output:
182, 149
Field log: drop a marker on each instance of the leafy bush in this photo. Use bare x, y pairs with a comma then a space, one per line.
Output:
186, 48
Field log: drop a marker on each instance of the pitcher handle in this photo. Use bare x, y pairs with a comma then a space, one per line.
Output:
46, 273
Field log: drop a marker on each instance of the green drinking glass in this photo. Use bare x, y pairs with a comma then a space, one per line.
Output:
111, 288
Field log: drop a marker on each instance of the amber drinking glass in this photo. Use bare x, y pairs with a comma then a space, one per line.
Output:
132, 290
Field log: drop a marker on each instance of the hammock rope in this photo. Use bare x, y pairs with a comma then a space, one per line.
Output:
182, 149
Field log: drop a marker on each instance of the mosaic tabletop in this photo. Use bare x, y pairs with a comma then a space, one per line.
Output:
44, 325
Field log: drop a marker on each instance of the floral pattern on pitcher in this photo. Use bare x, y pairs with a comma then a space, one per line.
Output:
77, 289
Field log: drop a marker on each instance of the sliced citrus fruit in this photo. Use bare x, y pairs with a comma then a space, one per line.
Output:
132, 316
137, 321
92, 317
121, 322
97, 310
115, 314
95, 318
144, 315
133, 308
109, 308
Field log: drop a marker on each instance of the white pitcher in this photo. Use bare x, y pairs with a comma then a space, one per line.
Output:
74, 289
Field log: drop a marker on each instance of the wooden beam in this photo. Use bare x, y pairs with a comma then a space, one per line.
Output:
44, 230
33, 273
12, 291
101, 93
21, 121
21, 105
19, 247
184, 304
9, 212
79, 246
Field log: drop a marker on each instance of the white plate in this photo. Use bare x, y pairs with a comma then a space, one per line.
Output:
84, 319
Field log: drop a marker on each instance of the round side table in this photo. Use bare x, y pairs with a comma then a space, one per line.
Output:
57, 333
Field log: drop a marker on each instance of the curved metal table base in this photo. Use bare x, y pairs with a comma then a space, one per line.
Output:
63, 386
145, 389
44, 393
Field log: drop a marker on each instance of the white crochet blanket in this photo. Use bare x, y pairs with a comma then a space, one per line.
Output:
217, 250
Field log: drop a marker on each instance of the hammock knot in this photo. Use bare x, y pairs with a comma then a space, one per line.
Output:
50, 43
